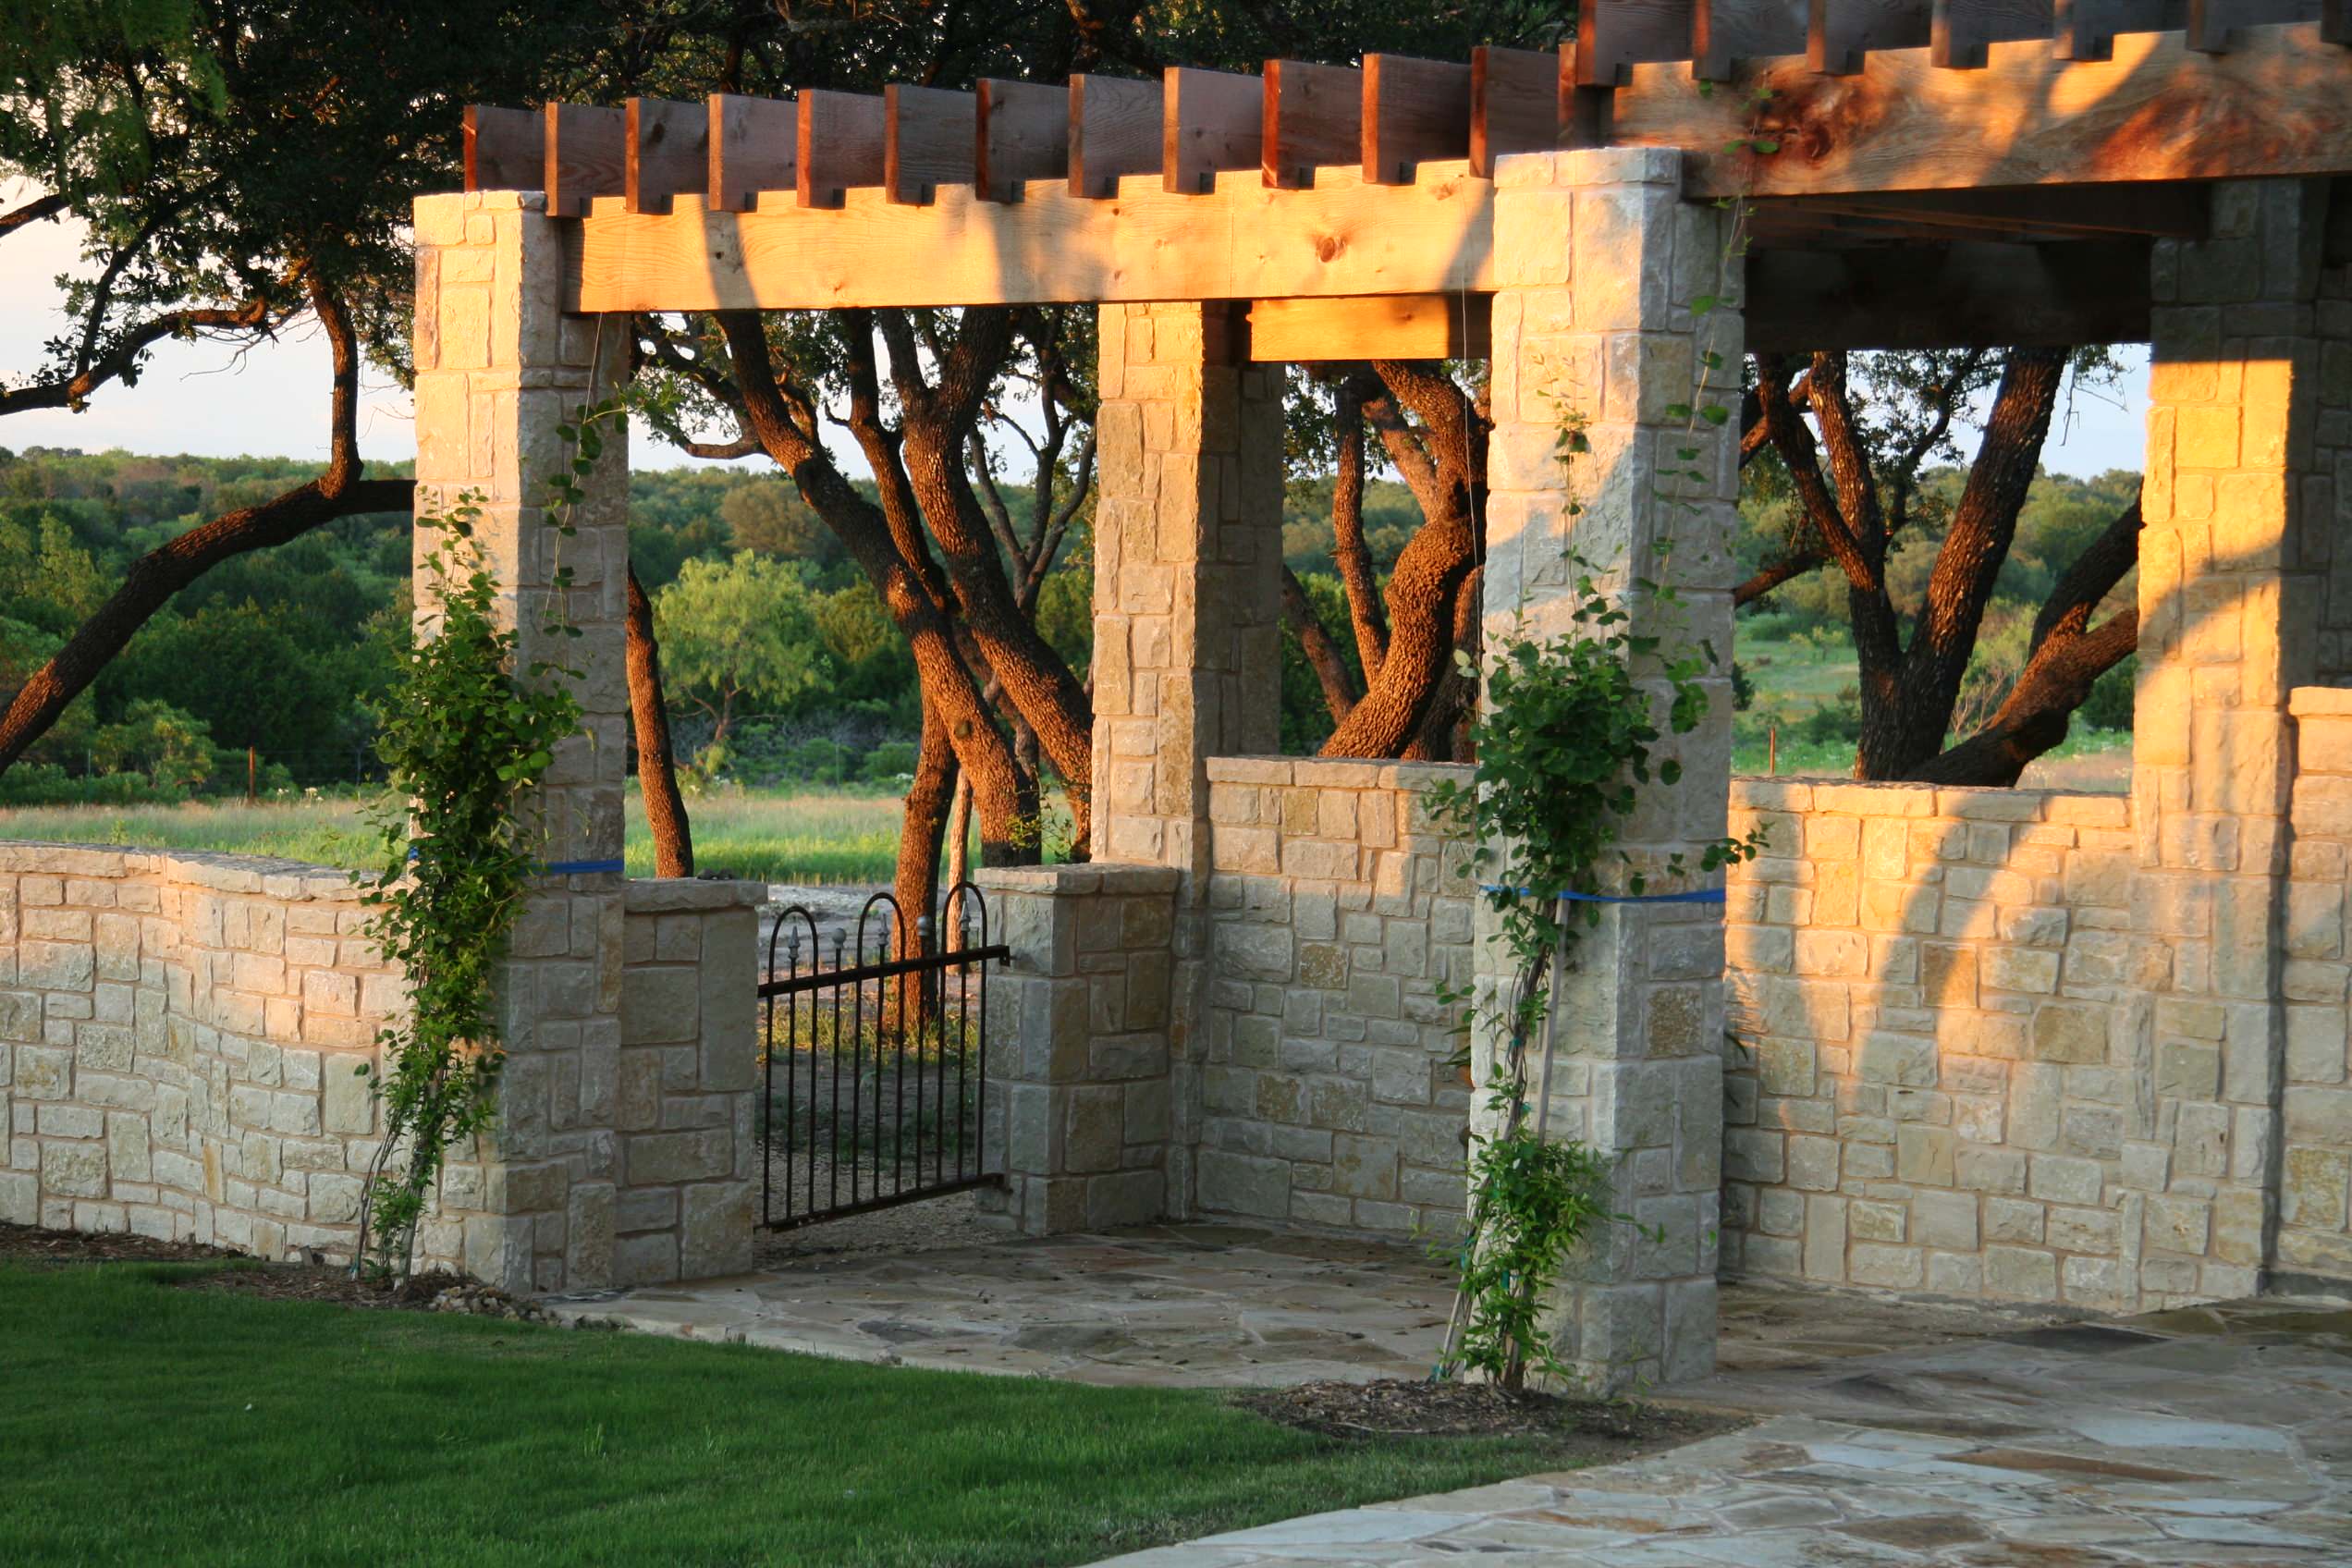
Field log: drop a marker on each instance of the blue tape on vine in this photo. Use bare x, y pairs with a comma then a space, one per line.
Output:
1695, 896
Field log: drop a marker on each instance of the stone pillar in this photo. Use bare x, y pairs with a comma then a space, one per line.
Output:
1188, 554
1079, 1111
498, 367
1598, 263
2249, 425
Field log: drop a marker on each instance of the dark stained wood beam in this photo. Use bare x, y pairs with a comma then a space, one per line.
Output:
1724, 33
930, 138
2280, 103
2085, 29
1843, 33
1210, 121
1514, 103
1613, 36
1414, 111
587, 156
2176, 212
1114, 130
1025, 133
667, 152
1965, 295
840, 145
1311, 116
1963, 30
755, 146
505, 149
2214, 26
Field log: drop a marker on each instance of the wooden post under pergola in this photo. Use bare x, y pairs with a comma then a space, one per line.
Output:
1905, 173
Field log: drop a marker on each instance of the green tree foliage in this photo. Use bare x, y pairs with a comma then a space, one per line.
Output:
767, 514
739, 636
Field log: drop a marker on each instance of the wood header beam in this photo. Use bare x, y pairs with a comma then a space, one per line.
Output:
1970, 294
1374, 326
1965, 294
2280, 103
1239, 242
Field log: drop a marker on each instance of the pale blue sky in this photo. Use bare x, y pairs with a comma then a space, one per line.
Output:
213, 399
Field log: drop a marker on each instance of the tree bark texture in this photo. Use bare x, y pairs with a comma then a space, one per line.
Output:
656, 765
1442, 458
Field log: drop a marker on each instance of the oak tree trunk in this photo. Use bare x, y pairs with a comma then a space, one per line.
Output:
656, 767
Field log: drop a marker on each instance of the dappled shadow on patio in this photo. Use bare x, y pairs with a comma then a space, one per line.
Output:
1205, 1306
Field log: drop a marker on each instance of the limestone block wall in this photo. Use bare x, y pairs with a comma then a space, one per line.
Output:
684, 1098
1335, 914
1973, 1052
1078, 1116
2315, 1188
179, 1036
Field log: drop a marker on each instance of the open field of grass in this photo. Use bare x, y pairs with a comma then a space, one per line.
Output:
1792, 680
152, 1424
805, 838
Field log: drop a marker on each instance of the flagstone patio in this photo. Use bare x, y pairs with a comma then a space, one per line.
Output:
2205, 1438
1890, 1431
1193, 1306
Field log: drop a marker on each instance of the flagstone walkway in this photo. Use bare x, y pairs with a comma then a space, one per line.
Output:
2208, 1438
1172, 1306
1891, 1432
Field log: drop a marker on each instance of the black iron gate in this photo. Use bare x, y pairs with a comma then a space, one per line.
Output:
876, 1060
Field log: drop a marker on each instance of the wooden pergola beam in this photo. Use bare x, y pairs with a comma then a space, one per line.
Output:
1966, 294
1240, 241
2279, 103
1963, 295
1216, 185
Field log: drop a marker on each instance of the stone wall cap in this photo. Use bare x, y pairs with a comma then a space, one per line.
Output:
1336, 773
222, 872
671, 895
2320, 701
1771, 794
1419, 777
1249, 770
1070, 881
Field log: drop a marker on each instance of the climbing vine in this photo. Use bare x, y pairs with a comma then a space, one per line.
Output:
470, 729
1566, 744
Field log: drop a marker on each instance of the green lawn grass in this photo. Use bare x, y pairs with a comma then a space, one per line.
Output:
823, 838
149, 1424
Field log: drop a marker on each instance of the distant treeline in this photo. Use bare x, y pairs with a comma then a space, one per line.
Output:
287, 651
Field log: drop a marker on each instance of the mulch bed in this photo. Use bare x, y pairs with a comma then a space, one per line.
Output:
31, 1243
1598, 1431
435, 1290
